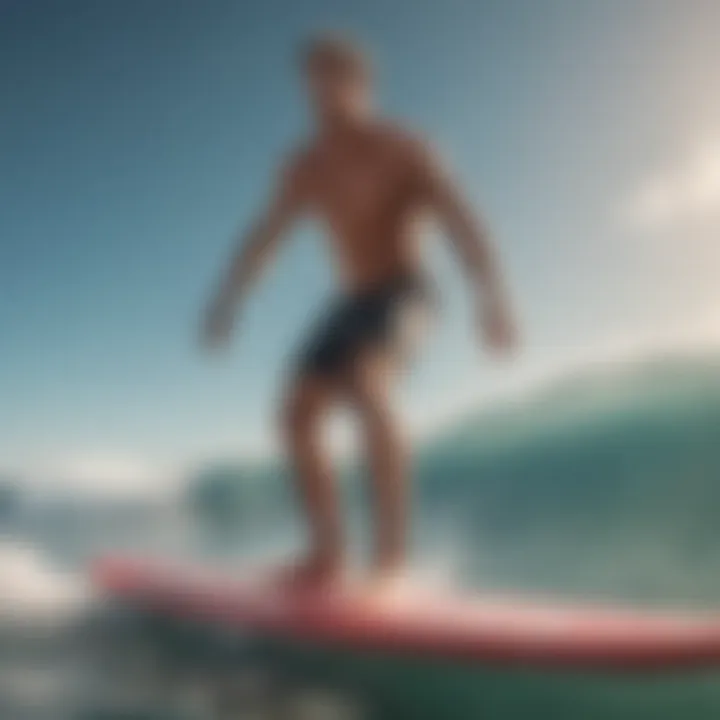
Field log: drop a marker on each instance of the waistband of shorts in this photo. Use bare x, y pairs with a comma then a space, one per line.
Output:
411, 282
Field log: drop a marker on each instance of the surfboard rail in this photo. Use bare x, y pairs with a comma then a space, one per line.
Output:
482, 630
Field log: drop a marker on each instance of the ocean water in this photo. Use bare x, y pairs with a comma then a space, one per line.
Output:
603, 485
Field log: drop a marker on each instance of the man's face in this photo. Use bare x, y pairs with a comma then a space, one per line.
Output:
336, 91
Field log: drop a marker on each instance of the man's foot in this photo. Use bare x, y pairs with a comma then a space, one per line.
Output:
388, 577
315, 571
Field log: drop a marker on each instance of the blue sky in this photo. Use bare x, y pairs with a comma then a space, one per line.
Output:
136, 137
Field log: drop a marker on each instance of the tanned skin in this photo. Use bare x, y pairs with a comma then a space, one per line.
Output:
370, 182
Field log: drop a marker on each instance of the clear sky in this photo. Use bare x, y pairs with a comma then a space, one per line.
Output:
136, 137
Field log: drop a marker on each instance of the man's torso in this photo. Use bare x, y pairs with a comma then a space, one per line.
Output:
364, 189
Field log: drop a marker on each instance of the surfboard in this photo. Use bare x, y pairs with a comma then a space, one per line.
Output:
422, 623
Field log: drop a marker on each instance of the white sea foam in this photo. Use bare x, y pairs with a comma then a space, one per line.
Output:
33, 591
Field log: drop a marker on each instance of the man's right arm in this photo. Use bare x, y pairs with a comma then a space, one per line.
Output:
255, 250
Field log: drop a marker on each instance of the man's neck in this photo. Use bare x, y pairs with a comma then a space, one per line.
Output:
341, 128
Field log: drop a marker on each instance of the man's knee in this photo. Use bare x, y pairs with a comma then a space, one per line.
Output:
369, 389
304, 406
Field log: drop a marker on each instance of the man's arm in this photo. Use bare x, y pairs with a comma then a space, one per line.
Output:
255, 249
470, 237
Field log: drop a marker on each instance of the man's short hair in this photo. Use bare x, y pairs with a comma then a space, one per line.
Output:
337, 53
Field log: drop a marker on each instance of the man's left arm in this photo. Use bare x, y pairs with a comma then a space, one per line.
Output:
470, 237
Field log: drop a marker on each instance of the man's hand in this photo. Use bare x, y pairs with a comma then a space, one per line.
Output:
497, 326
217, 325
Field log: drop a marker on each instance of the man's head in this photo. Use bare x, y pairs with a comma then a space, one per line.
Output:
338, 77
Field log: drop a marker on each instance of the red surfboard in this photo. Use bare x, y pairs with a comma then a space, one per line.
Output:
490, 630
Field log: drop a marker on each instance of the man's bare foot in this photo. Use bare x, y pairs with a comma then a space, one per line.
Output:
312, 572
387, 576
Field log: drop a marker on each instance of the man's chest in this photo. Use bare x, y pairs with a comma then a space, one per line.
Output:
356, 184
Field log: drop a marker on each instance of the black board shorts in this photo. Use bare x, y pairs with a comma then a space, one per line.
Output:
392, 316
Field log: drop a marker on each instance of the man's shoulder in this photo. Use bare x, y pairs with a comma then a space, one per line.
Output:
408, 144
299, 159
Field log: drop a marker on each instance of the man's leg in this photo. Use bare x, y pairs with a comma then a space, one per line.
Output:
306, 407
370, 386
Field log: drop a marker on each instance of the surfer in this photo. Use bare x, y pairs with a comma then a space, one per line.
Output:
370, 182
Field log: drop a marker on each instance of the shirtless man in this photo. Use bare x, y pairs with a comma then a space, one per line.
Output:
370, 182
